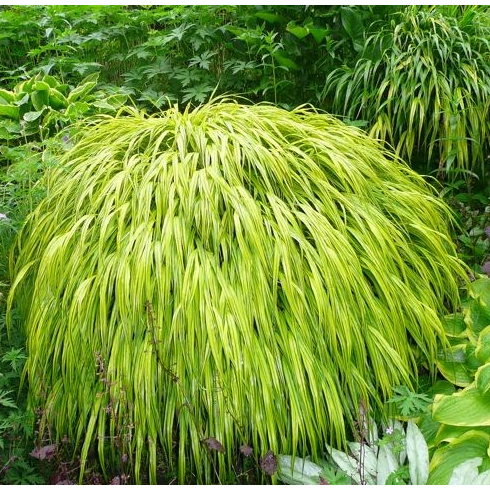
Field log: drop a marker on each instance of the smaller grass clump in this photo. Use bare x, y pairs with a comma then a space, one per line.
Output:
422, 82
230, 274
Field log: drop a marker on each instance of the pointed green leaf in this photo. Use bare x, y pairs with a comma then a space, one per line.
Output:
417, 454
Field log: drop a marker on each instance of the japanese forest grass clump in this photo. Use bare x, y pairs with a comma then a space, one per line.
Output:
234, 273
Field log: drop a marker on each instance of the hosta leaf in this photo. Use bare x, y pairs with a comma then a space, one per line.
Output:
452, 363
32, 116
10, 111
482, 379
481, 289
454, 325
466, 472
482, 349
478, 316
449, 433
472, 444
468, 408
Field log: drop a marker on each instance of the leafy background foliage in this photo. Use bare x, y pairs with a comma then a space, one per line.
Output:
155, 55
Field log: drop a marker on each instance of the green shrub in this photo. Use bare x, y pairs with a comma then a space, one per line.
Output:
239, 274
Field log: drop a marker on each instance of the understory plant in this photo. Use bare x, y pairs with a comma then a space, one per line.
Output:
421, 82
399, 457
229, 275
461, 420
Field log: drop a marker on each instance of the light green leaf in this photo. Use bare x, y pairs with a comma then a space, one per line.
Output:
346, 463
302, 472
468, 408
482, 379
417, 454
470, 445
466, 472
387, 464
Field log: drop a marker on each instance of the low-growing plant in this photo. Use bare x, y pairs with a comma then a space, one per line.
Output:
42, 106
458, 427
232, 265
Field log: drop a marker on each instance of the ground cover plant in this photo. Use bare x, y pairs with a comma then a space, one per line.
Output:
226, 267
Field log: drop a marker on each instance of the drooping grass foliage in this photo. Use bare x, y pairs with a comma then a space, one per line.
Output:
234, 272
422, 82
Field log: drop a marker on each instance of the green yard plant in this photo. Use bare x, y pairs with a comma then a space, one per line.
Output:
422, 82
228, 275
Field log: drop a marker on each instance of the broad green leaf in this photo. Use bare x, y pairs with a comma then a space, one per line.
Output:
472, 444
298, 31
466, 472
6, 97
80, 92
345, 462
482, 349
482, 379
477, 316
449, 433
468, 408
32, 116
318, 33
481, 289
452, 363
283, 60
10, 111
352, 23
40, 86
56, 99
269, 16
417, 454
454, 325
39, 99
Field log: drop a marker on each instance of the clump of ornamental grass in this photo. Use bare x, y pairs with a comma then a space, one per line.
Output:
244, 275
422, 82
